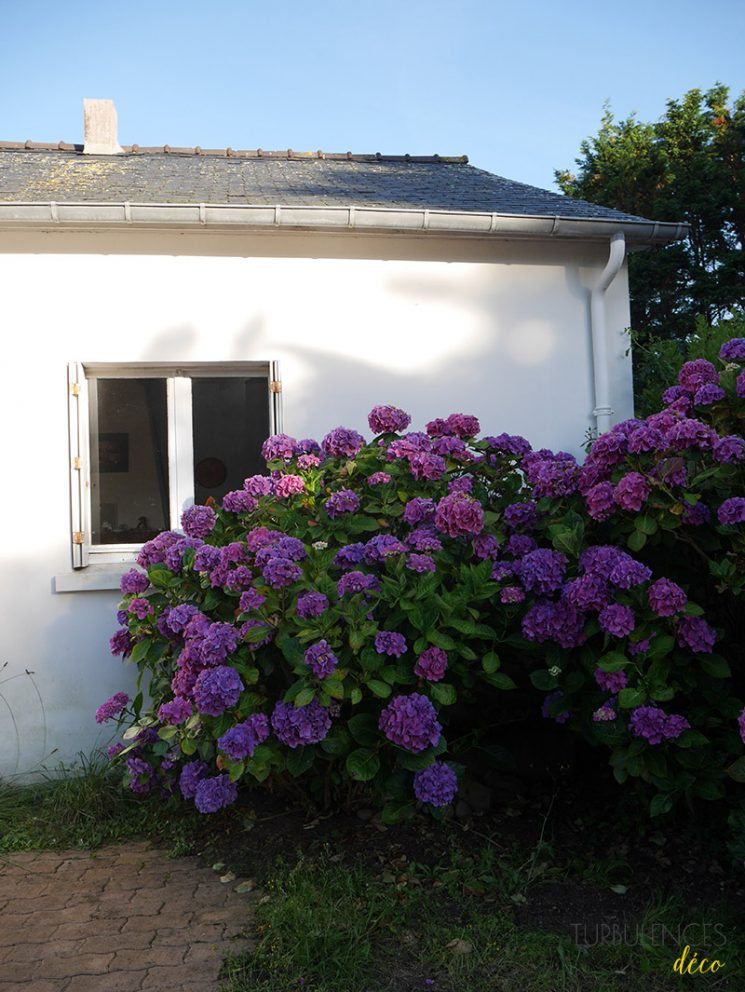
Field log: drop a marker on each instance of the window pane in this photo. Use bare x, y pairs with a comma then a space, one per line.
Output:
230, 422
129, 460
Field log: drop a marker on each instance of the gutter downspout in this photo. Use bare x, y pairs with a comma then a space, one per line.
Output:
603, 410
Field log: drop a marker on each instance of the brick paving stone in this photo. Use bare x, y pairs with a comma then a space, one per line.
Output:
122, 919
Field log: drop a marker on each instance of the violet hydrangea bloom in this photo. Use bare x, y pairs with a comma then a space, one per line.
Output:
320, 659
696, 634
741, 718
382, 546
588, 592
740, 385
694, 374
281, 572
560, 622
112, 707
461, 425
427, 465
418, 510
198, 521
437, 784
239, 501
297, 726
458, 515
696, 515
732, 511
509, 444
349, 555
219, 640
542, 571
666, 598
486, 546
258, 485
420, 563
121, 643
141, 774
411, 722
654, 725
141, 608
387, 419
343, 501
431, 664
241, 741
342, 443
611, 681
521, 515
216, 689
251, 599
134, 581
311, 604
307, 462
354, 582
277, 446
213, 794
552, 476
175, 712
390, 643
733, 350
632, 491
378, 479
729, 450
206, 558
708, 394
617, 620
288, 485
520, 545
512, 594
190, 777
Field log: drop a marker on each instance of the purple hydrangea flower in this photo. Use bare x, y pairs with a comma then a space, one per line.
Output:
696, 634
673, 393
632, 491
554, 476
605, 713
411, 722
617, 620
277, 446
458, 515
251, 599
212, 794
378, 479
141, 608
344, 501
307, 462
600, 500
142, 774
740, 385
311, 604
242, 740
688, 433
239, 501
424, 539
320, 659
486, 546
387, 419
288, 485
611, 681
696, 515
427, 465
666, 598
741, 717
175, 712
646, 438
206, 558
521, 515
418, 510
548, 702
258, 485
451, 447
520, 544
153, 552
431, 664
112, 707
420, 563
113, 750
190, 776
732, 511
308, 446
464, 484
618, 567
588, 592
654, 725
219, 640
391, 643
216, 689
560, 622
174, 556
342, 443
697, 373
512, 594
708, 394
733, 350
354, 582
728, 450
121, 643
198, 521
509, 444
437, 784
382, 546
134, 581
296, 726
461, 425
281, 572
542, 571
349, 555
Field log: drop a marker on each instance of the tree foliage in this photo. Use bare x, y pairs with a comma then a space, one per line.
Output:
688, 166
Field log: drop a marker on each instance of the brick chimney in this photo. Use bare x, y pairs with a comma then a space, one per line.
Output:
99, 128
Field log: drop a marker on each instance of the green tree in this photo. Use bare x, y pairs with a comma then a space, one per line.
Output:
688, 166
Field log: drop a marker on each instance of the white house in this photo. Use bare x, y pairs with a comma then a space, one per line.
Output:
163, 309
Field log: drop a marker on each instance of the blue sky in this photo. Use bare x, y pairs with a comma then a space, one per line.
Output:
516, 86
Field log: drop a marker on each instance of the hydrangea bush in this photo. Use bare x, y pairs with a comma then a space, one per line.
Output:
341, 619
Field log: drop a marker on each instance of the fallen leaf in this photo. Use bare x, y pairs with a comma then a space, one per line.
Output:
227, 877
248, 886
459, 946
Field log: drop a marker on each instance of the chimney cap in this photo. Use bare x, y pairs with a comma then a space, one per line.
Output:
100, 127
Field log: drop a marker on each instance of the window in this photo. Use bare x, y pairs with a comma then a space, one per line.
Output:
149, 440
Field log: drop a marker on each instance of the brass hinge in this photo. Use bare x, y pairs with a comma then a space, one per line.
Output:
75, 389
77, 463
78, 537
275, 386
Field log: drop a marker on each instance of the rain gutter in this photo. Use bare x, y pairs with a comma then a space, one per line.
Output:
603, 411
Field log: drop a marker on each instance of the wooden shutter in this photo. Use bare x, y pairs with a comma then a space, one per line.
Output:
77, 391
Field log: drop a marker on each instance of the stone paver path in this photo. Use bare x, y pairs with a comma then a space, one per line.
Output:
121, 919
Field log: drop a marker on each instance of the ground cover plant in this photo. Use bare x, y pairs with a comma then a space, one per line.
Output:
354, 622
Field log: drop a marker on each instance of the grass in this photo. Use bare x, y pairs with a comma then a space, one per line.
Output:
330, 928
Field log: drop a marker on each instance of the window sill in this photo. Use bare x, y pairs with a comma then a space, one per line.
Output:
92, 578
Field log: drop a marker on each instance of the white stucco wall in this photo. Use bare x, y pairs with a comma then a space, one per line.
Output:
497, 329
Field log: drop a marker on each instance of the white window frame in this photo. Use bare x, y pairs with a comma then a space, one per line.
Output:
178, 378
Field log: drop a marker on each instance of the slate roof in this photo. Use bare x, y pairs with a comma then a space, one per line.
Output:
38, 173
